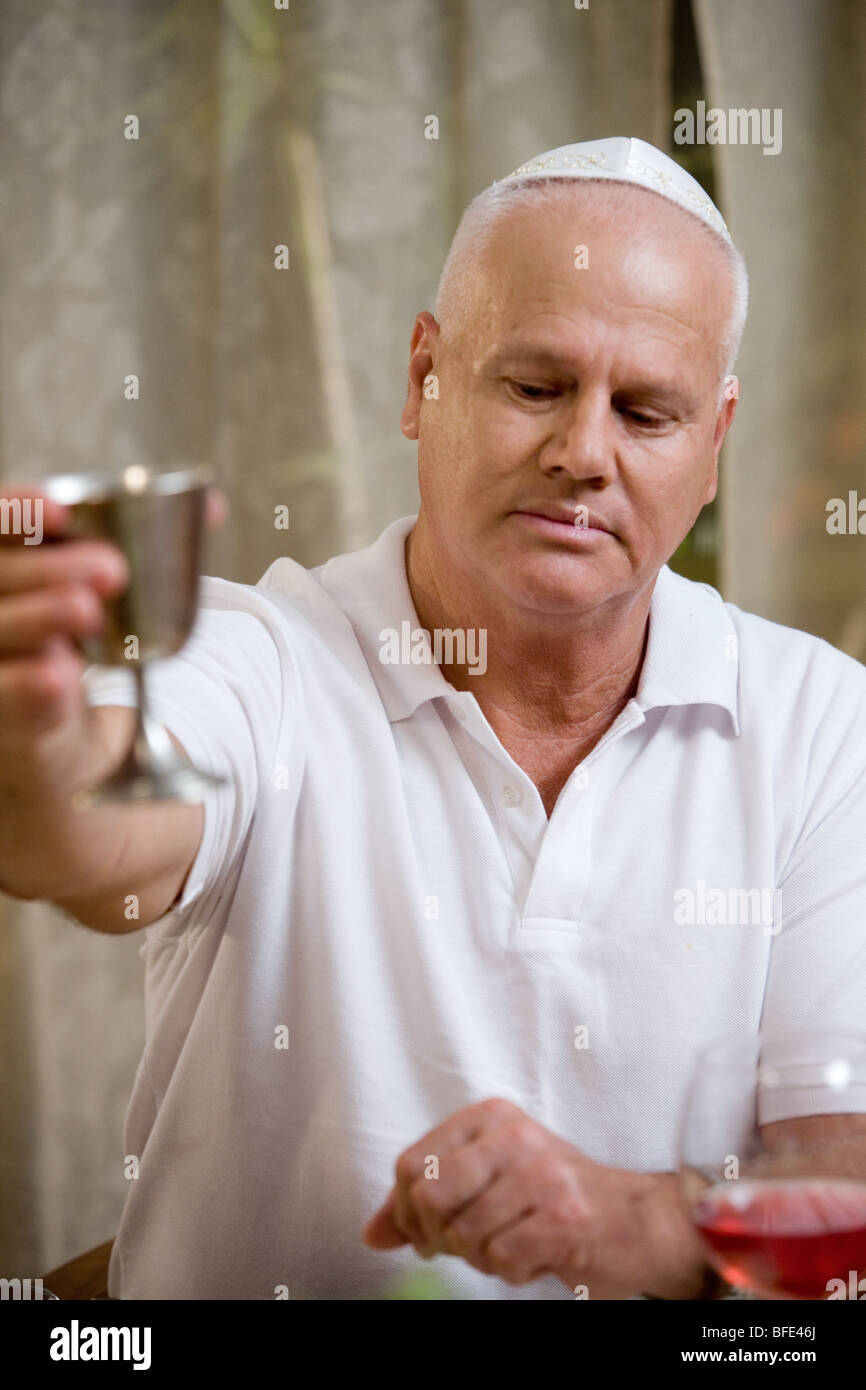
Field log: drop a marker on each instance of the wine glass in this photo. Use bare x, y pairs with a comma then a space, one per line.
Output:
779, 1199
157, 519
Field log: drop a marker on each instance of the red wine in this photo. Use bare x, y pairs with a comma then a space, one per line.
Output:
788, 1237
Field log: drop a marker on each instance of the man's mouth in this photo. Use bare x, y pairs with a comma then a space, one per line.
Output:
565, 519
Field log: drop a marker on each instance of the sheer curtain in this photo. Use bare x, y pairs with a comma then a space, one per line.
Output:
307, 128
800, 219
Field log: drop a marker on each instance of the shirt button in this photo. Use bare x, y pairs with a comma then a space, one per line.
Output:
459, 712
512, 796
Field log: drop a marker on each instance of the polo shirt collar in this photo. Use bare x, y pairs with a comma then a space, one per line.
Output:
373, 591
691, 656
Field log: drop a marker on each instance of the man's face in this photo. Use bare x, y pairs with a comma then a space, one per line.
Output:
586, 394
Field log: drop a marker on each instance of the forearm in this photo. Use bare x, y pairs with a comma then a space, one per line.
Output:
91, 862
46, 845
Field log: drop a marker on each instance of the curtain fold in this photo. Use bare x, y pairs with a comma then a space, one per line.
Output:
799, 217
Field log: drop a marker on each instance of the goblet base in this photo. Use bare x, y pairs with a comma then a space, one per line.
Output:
172, 784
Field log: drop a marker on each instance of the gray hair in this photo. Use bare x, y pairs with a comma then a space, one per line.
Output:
483, 213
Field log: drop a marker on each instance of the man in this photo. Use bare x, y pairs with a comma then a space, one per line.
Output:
454, 915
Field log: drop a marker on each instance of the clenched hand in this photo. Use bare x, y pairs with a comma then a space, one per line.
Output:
497, 1189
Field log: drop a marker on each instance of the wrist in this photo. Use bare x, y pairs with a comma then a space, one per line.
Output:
678, 1267
48, 847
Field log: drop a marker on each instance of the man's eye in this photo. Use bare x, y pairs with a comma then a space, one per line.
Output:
530, 392
641, 418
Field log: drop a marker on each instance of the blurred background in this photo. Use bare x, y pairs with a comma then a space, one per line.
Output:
307, 127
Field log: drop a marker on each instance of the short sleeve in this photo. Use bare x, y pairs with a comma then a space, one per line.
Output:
223, 698
817, 972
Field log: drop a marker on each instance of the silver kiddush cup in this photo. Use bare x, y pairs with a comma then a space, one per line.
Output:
157, 519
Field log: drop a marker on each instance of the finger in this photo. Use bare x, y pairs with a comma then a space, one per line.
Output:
411, 1165
97, 563
494, 1208
406, 1220
386, 1230
519, 1230
37, 693
526, 1248
27, 514
27, 620
455, 1132
216, 507
437, 1198
381, 1231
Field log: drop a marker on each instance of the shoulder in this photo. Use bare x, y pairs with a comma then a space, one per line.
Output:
287, 626
788, 661
287, 601
770, 654
795, 688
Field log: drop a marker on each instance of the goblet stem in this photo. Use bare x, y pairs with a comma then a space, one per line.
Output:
154, 769
152, 747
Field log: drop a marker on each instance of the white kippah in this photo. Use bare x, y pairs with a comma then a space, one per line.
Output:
625, 159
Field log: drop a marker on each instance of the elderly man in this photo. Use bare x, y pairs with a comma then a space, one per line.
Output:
453, 915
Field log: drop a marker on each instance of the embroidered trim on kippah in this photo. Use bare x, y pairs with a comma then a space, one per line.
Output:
700, 203
567, 161
709, 210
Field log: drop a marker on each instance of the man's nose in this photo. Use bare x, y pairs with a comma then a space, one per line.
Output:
581, 442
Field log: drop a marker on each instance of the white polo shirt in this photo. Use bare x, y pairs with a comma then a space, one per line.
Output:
381, 926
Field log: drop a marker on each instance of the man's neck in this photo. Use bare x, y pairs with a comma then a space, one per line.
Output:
552, 686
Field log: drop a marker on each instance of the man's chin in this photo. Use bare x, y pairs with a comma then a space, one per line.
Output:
571, 586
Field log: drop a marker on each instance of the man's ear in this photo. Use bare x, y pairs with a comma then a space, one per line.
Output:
422, 353
727, 411
724, 420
